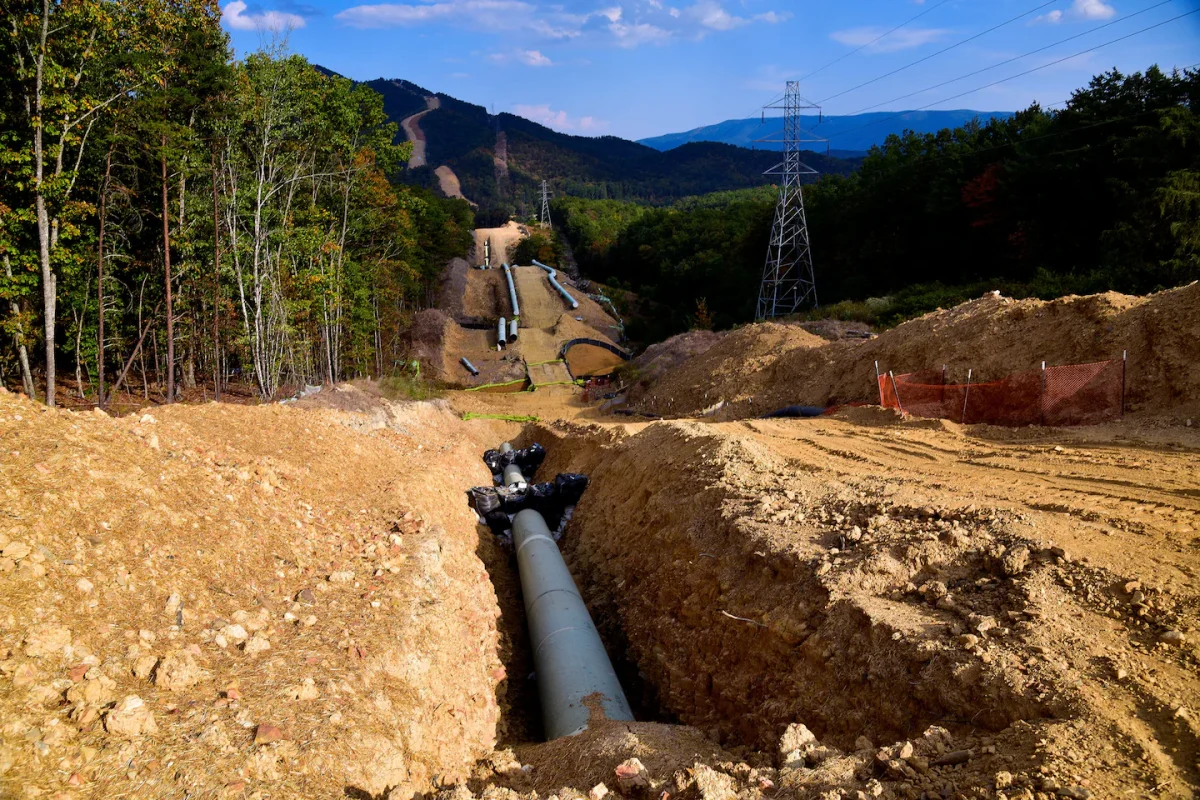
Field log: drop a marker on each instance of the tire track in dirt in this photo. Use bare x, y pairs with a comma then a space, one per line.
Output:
1117, 506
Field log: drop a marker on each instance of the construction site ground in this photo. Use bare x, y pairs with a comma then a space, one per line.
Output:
296, 601
473, 300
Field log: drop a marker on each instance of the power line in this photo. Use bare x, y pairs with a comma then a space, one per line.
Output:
873, 41
1022, 74
1010, 60
857, 49
939, 52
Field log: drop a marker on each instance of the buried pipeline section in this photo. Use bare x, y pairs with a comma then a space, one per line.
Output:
569, 658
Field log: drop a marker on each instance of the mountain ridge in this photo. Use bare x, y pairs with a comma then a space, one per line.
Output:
466, 137
850, 135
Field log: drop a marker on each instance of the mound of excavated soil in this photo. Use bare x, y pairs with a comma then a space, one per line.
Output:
667, 355
453, 287
993, 336
730, 369
948, 616
587, 359
224, 600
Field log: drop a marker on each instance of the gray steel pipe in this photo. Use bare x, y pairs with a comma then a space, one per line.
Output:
569, 657
554, 282
470, 367
502, 333
512, 291
512, 330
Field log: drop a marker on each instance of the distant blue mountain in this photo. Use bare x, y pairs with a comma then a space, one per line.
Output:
848, 136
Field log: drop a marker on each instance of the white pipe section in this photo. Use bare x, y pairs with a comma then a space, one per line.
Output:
556, 285
512, 291
502, 333
512, 330
470, 367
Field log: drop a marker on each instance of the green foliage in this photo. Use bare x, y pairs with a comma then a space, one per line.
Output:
1104, 194
539, 245
279, 169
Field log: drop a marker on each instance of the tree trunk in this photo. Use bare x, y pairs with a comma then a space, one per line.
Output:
216, 282
137, 349
78, 359
166, 216
49, 290
100, 280
22, 350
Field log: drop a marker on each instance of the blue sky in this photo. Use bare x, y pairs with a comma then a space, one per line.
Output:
638, 68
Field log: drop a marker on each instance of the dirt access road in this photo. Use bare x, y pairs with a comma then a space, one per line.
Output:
412, 130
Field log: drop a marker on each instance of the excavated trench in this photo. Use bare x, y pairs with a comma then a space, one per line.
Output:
720, 617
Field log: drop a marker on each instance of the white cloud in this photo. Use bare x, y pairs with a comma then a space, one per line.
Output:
534, 58
628, 23
494, 13
1092, 9
903, 39
637, 34
710, 14
530, 58
1080, 10
773, 17
235, 17
559, 120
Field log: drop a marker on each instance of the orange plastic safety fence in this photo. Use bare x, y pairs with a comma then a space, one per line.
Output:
1074, 394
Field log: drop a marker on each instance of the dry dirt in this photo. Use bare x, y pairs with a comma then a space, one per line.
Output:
231, 600
502, 239
850, 606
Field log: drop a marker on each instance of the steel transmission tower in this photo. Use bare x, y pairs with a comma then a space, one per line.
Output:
544, 218
787, 282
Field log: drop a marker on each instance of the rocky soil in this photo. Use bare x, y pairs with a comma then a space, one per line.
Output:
241, 601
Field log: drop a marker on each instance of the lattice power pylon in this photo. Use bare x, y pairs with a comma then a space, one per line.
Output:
788, 282
544, 217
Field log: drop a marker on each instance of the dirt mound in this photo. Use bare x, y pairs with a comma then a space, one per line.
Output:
667, 355
730, 369
943, 617
994, 336
453, 288
217, 600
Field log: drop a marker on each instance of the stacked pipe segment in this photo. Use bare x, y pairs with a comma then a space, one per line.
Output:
502, 333
554, 282
512, 291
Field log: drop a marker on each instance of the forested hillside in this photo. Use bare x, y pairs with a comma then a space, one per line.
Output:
1104, 194
465, 137
170, 218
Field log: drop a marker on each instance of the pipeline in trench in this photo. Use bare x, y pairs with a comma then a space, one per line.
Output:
710, 624
559, 671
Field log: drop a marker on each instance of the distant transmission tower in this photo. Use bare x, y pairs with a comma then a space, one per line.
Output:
544, 219
787, 282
